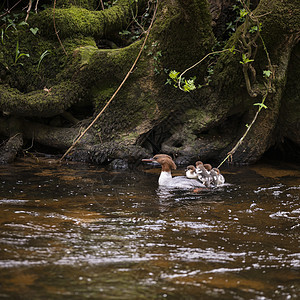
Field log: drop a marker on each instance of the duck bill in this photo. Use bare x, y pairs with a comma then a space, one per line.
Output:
148, 159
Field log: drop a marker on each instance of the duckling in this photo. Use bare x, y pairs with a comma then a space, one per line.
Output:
217, 177
191, 172
203, 174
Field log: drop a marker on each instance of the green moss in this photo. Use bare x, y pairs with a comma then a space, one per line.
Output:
198, 120
185, 23
76, 20
87, 4
86, 53
40, 103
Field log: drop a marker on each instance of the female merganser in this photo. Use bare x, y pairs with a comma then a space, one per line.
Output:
217, 177
166, 179
203, 175
191, 172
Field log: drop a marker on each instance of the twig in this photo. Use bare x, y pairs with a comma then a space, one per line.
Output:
232, 151
9, 10
56, 30
36, 6
200, 61
32, 140
28, 10
115, 93
102, 6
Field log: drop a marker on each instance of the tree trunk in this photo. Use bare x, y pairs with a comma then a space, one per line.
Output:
147, 115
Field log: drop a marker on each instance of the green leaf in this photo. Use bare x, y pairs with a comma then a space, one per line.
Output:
23, 23
23, 54
174, 75
232, 49
253, 29
267, 73
125, 32
17, 52
261, 105
45, 53
189, 85
243, 13
2, 36
34, 30
245, 60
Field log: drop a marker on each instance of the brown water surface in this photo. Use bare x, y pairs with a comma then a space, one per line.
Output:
77, 231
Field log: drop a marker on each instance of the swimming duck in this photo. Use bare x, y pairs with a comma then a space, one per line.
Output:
166, 179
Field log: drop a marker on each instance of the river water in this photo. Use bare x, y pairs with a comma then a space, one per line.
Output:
76, 231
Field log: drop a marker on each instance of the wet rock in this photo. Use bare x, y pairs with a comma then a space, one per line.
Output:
183, 160
10, 149
119, 164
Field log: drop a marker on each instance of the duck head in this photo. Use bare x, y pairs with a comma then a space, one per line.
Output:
208, 167
216, 170
164, 160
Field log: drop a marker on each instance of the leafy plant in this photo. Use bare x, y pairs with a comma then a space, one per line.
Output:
181, 82
174, 76
156, 57
245, 59
255, 28
18, 55
124, 32
267, 73
243, 13
3, 31
43, 55
189, 85
230, 26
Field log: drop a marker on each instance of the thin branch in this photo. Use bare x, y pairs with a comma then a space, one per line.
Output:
232, 151
102, 6
56, 30
9, 10
197, 63
36, 6
28, 10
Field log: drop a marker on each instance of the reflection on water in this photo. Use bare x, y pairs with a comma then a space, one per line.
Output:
83, 232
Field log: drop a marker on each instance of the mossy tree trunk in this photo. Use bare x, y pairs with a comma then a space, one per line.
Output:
45, 96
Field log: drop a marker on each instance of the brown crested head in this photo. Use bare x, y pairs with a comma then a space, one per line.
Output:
199, 163
216, 170
156, 157
162, 156
166, 162
191, 167
208, 167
